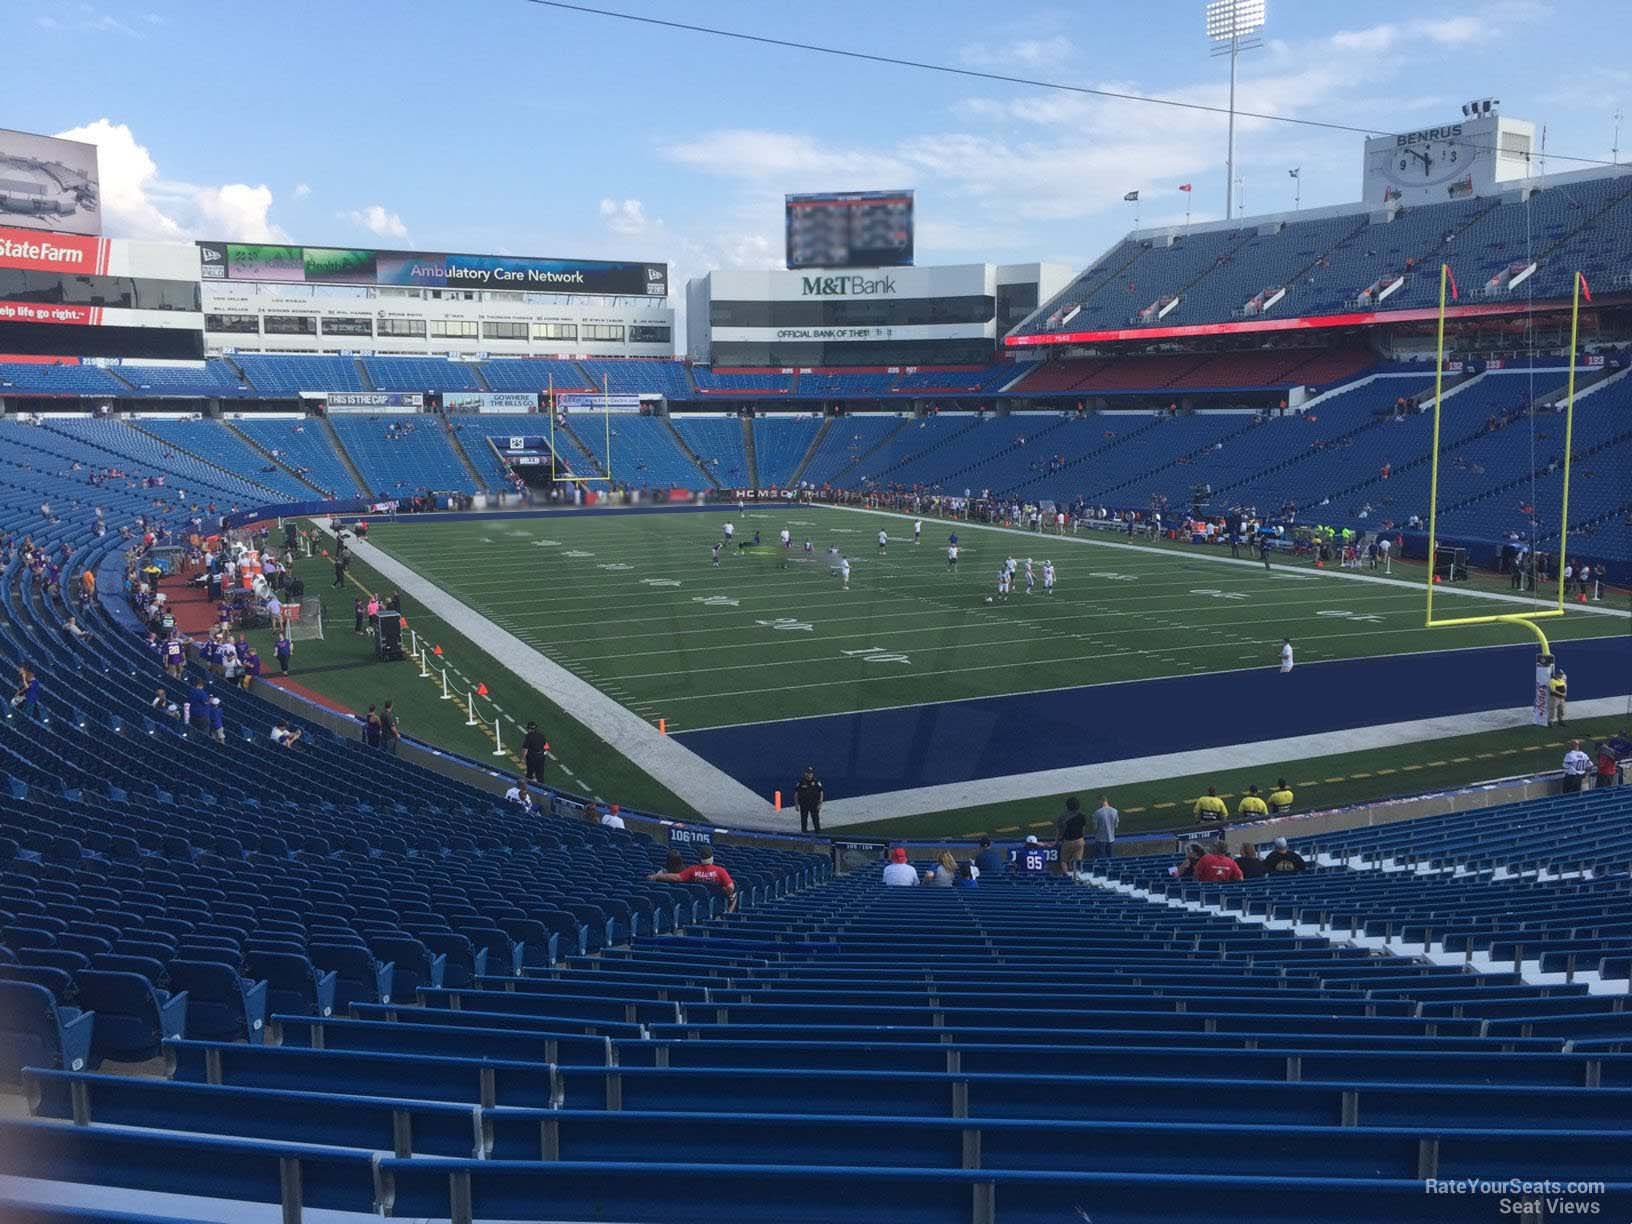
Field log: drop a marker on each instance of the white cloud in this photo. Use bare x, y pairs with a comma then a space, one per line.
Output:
626, 218
302, 191
138, 203
795, 161
90, 21
378, 220
1022, 53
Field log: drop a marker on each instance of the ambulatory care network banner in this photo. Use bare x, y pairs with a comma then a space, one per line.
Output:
247, 261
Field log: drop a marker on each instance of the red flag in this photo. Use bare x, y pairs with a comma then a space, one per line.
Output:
1585, 292
437, 651
481, 690
1451, 276
1184, 186
405, 622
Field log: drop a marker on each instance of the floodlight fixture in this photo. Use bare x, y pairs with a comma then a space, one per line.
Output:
1234, 26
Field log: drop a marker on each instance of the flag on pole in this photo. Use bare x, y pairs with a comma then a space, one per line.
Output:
1184, 186
1295, 172
1131, 197
1585, 291
1451, 276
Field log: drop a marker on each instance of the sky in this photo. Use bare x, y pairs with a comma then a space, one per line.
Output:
505, 126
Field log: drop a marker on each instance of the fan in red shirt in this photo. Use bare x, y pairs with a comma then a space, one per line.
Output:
704, 871
1216, 866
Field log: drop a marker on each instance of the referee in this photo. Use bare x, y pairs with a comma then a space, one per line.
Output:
535, 745
809, 795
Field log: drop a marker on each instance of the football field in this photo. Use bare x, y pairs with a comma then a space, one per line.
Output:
632, 604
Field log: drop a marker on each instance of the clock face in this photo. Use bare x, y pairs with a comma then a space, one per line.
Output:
1428, 163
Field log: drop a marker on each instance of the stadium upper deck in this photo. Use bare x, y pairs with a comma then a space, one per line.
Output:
1354, 265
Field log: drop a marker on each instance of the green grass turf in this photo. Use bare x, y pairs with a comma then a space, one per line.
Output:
633, 606
342, 668
1325, 782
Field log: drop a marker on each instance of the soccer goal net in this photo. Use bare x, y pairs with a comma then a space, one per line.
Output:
307, 621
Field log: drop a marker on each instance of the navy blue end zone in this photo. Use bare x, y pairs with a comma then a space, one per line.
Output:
960, 741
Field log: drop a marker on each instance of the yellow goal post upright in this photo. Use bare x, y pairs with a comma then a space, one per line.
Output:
1526, 619
561, 477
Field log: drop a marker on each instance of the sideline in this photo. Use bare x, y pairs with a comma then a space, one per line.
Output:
1277, 753
1603, 608
714, 794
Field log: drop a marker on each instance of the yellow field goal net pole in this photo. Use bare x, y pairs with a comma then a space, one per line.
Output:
606, 413
1526, 619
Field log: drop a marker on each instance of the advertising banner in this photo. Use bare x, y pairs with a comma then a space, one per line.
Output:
35, 252
579, 402
358, 401
37, 312
428, 269
490, 401
49, 184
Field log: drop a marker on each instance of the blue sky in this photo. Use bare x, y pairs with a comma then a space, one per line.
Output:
499, 125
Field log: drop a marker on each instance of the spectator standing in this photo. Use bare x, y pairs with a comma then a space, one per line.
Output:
1070, 828
1216, 866
373, 729
359, 614
1252, 867
250, 663
1576, 765
808, 793
898, 873
1283, 859
27, 696
218, 721
1610, 755
390, 731
535, 747
1558, 692
1106, 818
283, 649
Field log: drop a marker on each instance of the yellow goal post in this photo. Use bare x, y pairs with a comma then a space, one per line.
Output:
1527, 619
562, 477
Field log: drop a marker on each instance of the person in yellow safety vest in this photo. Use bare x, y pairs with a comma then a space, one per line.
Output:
1558, 691
1211, 807
1280, 799
1251, 804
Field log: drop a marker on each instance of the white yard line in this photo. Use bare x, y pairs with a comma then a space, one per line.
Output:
712, 792
1091, 780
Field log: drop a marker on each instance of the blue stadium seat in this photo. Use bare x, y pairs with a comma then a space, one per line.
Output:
35, 1032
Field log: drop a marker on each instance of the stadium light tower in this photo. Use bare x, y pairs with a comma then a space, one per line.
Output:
1233, 26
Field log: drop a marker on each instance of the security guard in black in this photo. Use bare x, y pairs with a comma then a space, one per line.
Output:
809, 796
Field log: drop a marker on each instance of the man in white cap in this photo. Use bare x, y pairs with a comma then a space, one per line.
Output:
1281, 859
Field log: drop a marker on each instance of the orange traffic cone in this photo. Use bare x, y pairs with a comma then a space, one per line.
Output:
437, 651
481, 690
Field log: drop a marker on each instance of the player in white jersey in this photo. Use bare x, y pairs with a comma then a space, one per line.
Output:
952, 558
810, 548
1286, 655
730, 531
917, 529
1003, 582
1048, 577
883, 541
787, 539
1031, 580
844, 572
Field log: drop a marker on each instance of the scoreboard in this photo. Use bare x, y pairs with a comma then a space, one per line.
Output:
850, 229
